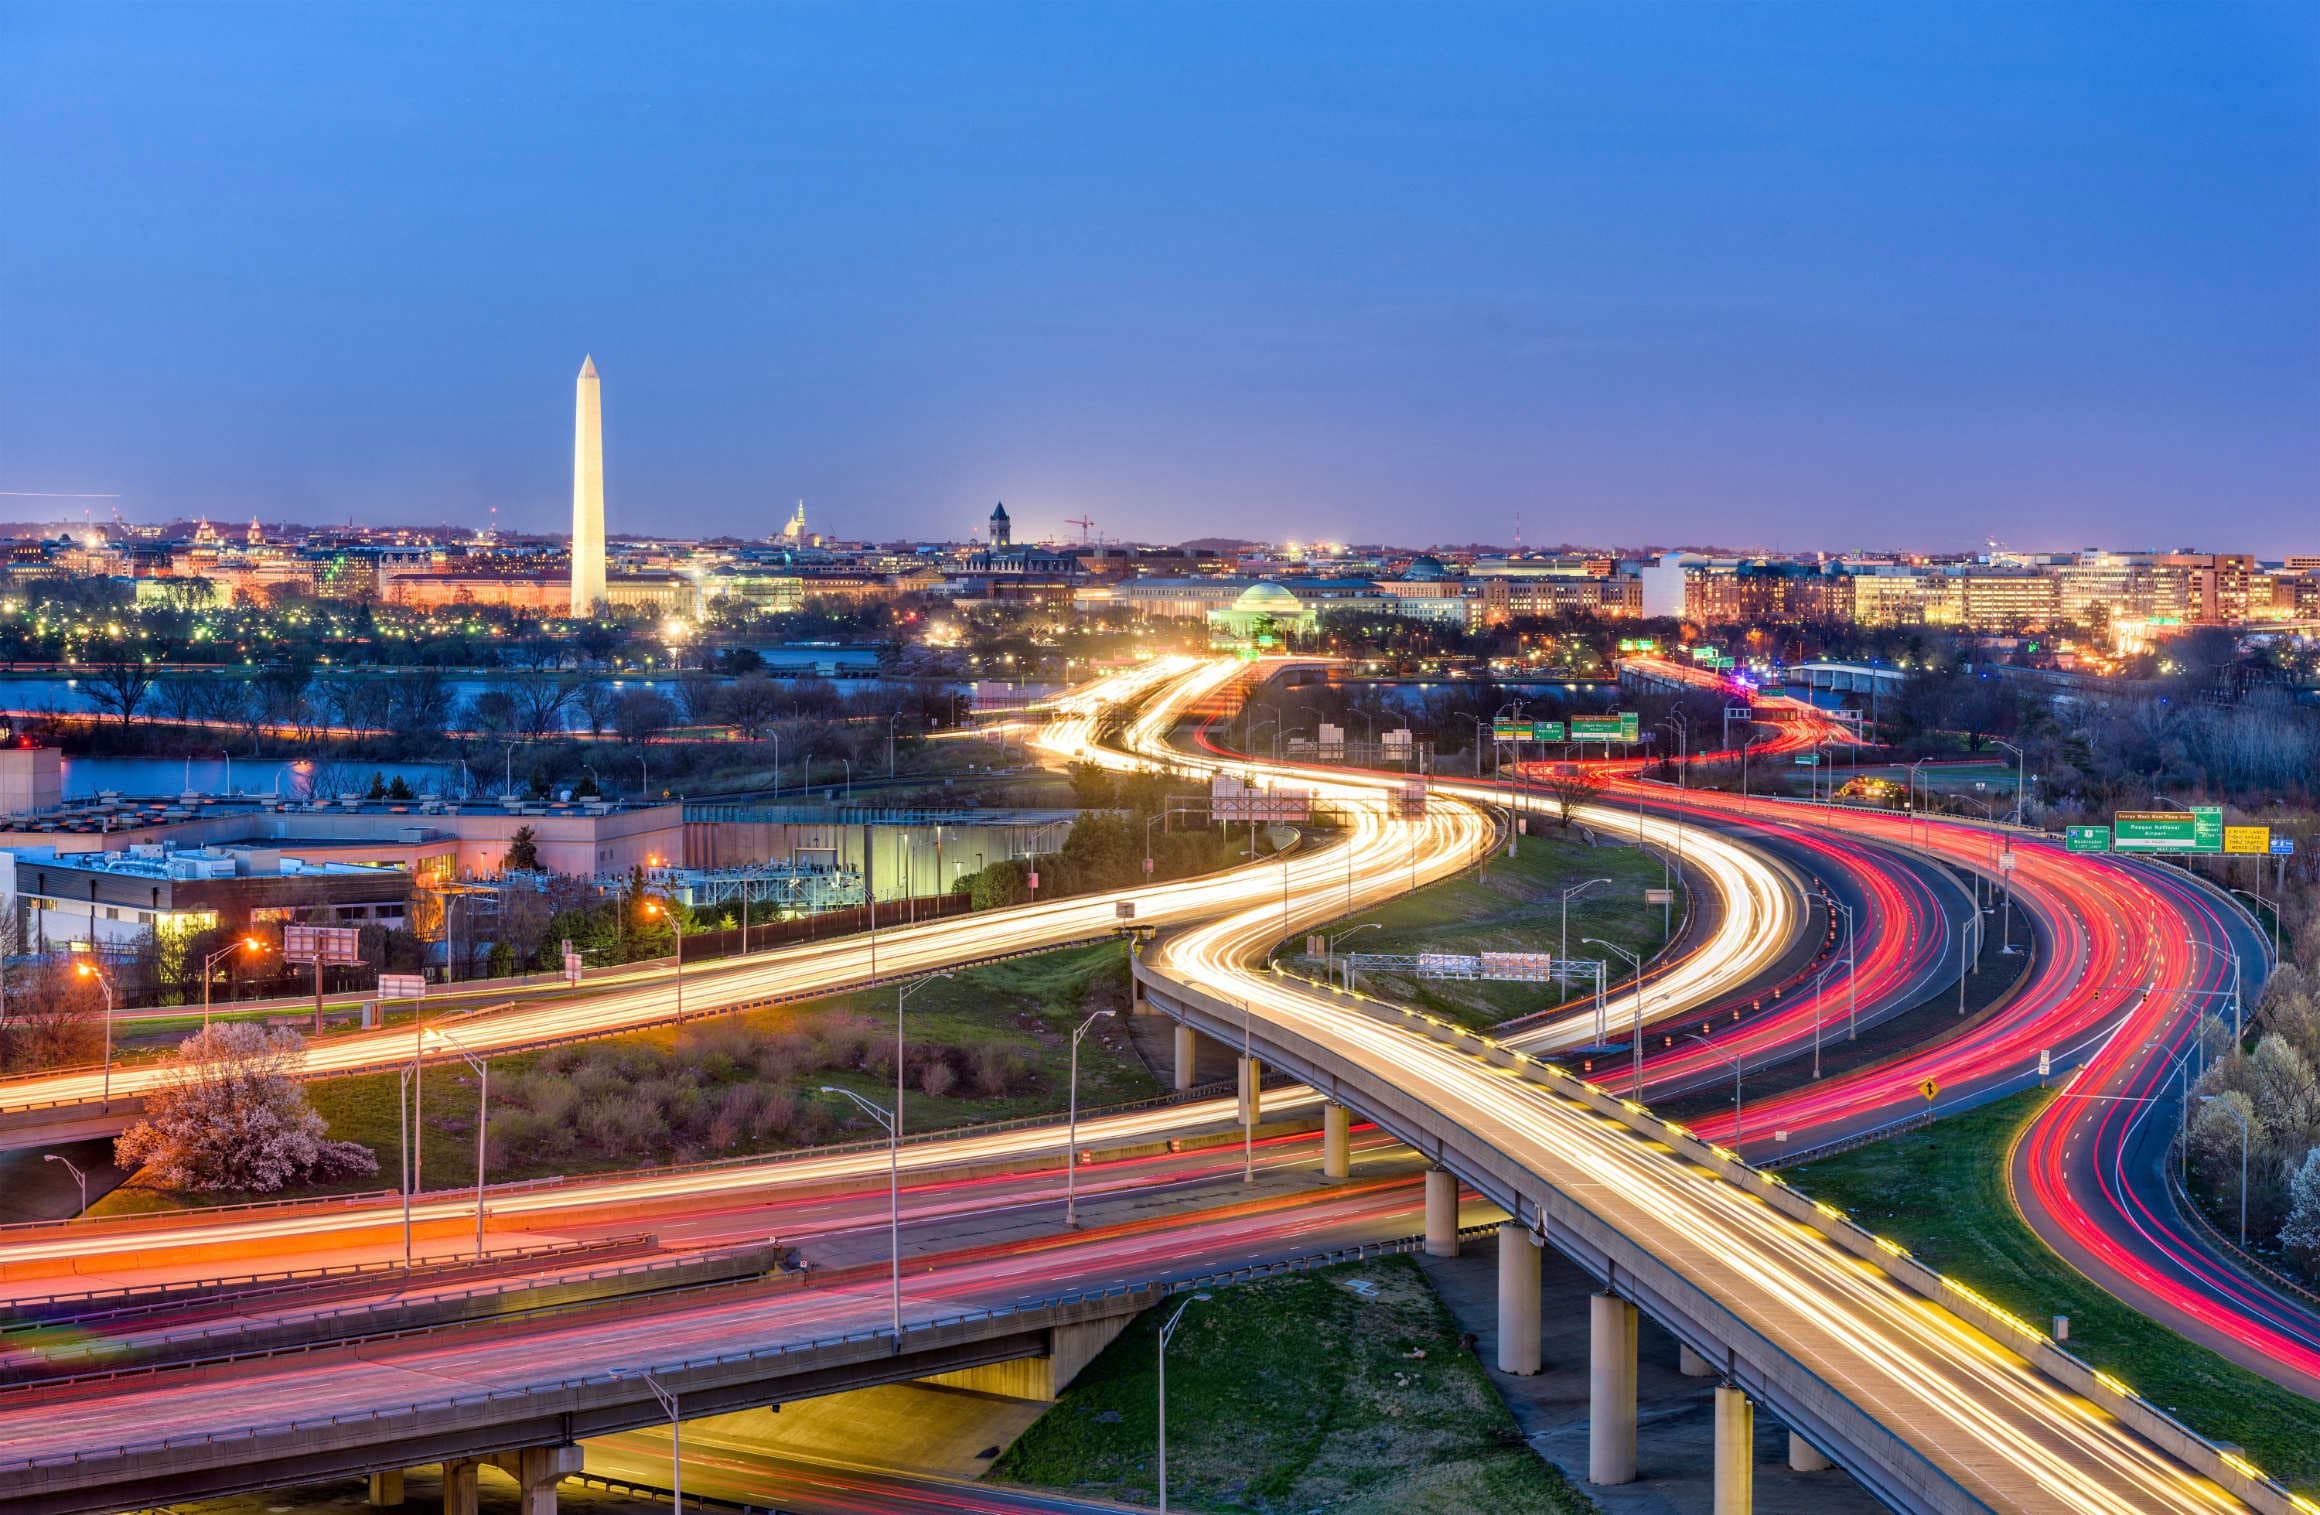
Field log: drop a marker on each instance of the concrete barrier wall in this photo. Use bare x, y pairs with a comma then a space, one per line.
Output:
2224, 1465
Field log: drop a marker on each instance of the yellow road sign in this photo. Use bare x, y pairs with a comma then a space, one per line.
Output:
1929, 1089
2247, 839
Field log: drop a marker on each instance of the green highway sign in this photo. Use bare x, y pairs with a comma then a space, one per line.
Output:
2087, 839
1527, 731
1808, 759
1626, 726
2199, 829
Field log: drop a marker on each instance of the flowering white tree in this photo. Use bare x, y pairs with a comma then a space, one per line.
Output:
2301, 1233
231, 1115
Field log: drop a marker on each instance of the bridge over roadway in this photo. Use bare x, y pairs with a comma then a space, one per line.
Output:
1932, 1398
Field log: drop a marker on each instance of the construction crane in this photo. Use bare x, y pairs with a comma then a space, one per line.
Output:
1084, 525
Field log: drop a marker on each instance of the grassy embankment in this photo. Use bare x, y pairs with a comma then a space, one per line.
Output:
1942, 1193
748, 1082
1344, 1389
1515, 905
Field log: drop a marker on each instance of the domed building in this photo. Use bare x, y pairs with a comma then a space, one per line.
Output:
1264, 617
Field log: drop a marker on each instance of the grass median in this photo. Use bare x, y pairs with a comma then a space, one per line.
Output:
1345, 1389
1942, 1193
1515, 905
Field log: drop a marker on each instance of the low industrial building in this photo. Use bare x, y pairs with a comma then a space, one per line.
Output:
116, 902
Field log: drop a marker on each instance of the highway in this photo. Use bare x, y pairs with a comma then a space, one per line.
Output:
1977, 1412
1118, 1247
2131, 955
2001, 1431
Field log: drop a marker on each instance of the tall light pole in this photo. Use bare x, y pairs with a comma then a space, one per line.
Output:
902, 993
209, 966
893, 1190
78, 1177
403, 1154
1248, 1083
1852, 973
2021, 774
1637, 962
1071, 1147
2209, 1099
1735, 1062
677, 924
676, 1443
482, 1114
1563, 950
1167, 1333
2275, 909
86, 969
1332, 941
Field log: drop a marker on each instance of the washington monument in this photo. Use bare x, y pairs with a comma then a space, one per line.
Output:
588, 493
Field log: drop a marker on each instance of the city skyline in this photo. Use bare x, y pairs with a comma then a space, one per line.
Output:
1555, 271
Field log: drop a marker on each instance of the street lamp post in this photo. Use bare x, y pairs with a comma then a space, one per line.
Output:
893, 1190
1734, 1060
88, 970
403, 1173
1637, 963
2275, 909
482, 1114
1167, 1332
79, 1177
209, 966
1852, 973
902, 993
1335, 938
677, 924
1563, 949
2021, 774
676, 1443
1248, 1082
2238, 1115
1071, 1147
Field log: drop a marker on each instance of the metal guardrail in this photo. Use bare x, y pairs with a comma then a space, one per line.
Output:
658, 1495
1916, 1121
2264, 1272
1158, 1290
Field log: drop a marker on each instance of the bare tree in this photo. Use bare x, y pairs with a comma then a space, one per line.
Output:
639, 715
536, 704
1572, 785
119, 686
751, 704
594, 699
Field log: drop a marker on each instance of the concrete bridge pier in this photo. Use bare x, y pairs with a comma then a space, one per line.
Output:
459, 1487
1804, 1457
536, 1470
1441, 1213
1336, 1142
1187, 1056
1735, 1452
1252, 1074
387, 1490
1612, 1325
1518, 1300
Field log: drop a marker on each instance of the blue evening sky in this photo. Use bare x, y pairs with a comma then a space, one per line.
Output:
1784, 273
